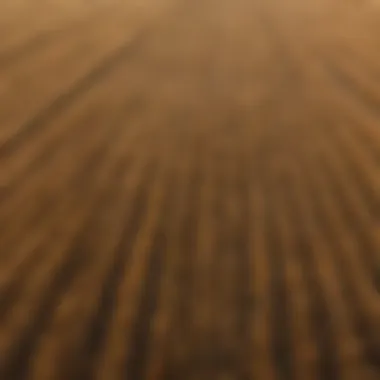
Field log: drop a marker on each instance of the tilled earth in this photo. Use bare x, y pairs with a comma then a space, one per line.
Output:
189, 190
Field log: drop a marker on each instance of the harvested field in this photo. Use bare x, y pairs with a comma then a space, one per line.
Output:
189, 190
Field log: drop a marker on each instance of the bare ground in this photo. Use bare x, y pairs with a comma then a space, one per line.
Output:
189, 190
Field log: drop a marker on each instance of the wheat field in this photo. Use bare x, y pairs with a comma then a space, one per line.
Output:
189, 190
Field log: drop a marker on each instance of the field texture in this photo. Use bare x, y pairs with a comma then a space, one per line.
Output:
189, 190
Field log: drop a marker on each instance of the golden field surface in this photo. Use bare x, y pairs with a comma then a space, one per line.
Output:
189, 190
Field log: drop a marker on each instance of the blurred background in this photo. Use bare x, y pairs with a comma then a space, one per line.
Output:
189, 190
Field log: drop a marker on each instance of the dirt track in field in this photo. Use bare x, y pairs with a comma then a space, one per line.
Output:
189, 190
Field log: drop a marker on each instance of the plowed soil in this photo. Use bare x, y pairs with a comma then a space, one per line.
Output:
190, 190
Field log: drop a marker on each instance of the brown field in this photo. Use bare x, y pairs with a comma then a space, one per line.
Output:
189, 190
